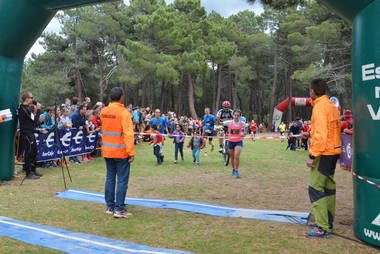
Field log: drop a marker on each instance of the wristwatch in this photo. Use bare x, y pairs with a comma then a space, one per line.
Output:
311, 157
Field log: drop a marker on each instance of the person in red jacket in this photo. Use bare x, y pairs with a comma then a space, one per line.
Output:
346, 125
157, 140
305, 129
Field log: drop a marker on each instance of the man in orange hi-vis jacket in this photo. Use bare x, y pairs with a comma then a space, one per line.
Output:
118, 151
323, 154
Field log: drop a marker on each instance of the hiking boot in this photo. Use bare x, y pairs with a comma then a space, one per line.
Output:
237, 174
318, 232
37, 173
32, 176
122, 214
110, 211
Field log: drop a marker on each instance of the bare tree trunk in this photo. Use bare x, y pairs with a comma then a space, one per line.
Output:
190, 96
213, 82
153, 93
125, 88
290, 93
274, 86
101, 78
143, 98
179, 96
78, 83
219, 87
231, 88
251, 101
234, 87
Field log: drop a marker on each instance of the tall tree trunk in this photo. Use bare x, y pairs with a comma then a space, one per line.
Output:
172, 97
274, 85
125, 88
179, 107
190, 96
213, 82
251, 100
231, 87
78, 83
219, 87
289, 90
144, 94
234, 91
101, 78
153, 95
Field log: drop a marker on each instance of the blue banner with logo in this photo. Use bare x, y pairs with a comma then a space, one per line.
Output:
346, 156
72, 142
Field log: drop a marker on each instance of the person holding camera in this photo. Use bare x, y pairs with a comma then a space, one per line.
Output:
28, 116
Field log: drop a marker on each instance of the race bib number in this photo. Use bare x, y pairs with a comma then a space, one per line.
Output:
235, 131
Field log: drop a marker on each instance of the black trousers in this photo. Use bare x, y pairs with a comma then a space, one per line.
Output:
30, 152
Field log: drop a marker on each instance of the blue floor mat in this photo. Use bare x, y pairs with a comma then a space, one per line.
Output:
195, 207
71, 242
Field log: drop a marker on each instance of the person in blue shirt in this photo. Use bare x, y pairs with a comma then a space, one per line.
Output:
208, 126
47, 119
159, 122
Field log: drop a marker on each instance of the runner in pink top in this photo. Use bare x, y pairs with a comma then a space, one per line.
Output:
235, 140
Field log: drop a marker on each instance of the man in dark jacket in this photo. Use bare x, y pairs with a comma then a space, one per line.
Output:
79, 121
28, 118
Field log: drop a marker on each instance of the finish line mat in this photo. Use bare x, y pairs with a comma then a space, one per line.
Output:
195, 207
71, 242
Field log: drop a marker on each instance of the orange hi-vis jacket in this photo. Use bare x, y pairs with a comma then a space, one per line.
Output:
325, 128
117, 132
1, 119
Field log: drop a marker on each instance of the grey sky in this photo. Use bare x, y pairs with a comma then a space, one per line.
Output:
225, 7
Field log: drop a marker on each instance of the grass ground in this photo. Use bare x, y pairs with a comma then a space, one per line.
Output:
271, 178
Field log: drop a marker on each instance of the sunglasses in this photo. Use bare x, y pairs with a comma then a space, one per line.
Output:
31, 97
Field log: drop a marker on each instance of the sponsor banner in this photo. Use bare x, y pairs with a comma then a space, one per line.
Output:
72, 142
277, 116
346, 156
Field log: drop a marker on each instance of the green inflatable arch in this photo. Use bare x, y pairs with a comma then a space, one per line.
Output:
22, 22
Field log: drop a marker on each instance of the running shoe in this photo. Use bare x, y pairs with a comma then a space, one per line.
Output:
122, 214
175, 162
318, 232
313, 225
110, 211
237, 174
233, 171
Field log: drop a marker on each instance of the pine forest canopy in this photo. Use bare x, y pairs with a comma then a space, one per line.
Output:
177, 57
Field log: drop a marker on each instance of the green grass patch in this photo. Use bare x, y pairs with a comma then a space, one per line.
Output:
271, 178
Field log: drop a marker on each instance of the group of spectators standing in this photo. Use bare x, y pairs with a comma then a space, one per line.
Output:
80, 115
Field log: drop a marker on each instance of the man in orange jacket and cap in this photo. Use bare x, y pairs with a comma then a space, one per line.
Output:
323, 155
118, 151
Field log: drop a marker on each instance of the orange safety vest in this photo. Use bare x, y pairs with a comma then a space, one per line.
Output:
117, 132
325, 128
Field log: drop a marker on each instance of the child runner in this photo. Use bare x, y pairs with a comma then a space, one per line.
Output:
178, 139
158, 141
235, 140
196, 143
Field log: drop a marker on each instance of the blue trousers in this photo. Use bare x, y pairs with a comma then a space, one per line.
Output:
178, 146
121, 169
196, 152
